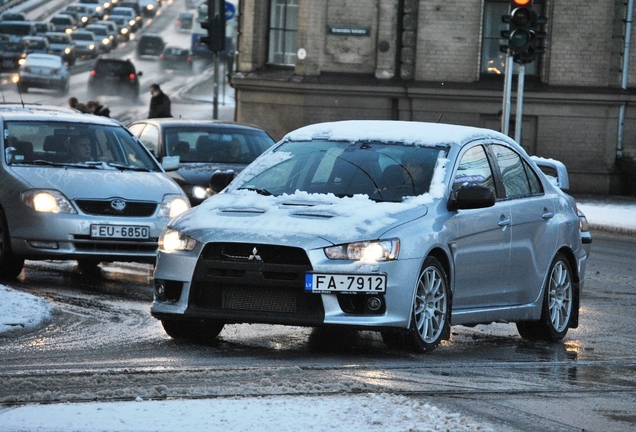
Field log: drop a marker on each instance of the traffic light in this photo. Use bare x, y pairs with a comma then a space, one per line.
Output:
525, 33
215, 25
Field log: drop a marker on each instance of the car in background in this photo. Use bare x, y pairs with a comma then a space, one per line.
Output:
64, 23
13, 16
149, 7
184, 21
134, 5
43, 27
62, 45
37, 45
12, 53
113, 76
109, 205
130, 15
18, 29
101, 7
176, 58
123, 26
399, 227
86, 44
103, 36
203, 147
84, 14
150, 44
113, 31
44, 71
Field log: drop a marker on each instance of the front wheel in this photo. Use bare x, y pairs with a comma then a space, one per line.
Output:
558, 305
430, 317
197, 331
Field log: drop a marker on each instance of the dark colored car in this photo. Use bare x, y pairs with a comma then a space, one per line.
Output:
114, 77
18, 29
203, 147
13, 16
12, 54
176, 58
184, 21
61, 44
150, 45
63, 23
37, 44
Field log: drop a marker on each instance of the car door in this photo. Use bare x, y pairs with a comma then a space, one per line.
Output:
481, 246
534, 230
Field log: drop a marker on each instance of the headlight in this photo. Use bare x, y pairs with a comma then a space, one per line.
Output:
173, 206
583, 223
172, 240
199, 192
91, 47
47, 201
366, 251
132, 22
67, 50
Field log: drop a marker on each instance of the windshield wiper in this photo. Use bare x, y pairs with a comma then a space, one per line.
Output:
257, 190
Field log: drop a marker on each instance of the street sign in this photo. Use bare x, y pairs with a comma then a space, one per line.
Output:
230, 11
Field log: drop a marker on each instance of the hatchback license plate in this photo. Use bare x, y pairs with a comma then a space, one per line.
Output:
345, 283
120, 231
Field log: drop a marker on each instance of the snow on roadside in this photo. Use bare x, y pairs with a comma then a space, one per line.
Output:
22, 311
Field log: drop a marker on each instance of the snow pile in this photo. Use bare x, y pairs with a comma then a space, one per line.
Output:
19, 311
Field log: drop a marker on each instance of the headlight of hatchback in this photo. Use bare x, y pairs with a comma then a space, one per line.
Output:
173, 206
172, 240
366, 251
47, 201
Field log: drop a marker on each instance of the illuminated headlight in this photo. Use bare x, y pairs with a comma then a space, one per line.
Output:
84, 19
68, 31
124, 31
105, 41
199, 192
98, 9
91, 47
67, 51
15, 78
583, 223
132, 22
173, 206
172, 240
47, 201
366, 251
150, 7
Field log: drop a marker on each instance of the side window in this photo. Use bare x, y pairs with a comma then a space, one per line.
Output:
474, 169
150, 138
283, 30
535, 184
513, 173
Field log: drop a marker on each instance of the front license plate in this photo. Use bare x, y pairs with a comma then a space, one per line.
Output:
345, 283
120, 231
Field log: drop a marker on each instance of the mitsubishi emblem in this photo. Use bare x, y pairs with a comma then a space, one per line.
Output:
254, 256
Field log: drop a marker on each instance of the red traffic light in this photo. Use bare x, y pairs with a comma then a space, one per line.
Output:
517, 3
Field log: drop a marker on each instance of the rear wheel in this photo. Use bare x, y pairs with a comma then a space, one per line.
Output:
558, 303
10, 265
198, 331
430, 319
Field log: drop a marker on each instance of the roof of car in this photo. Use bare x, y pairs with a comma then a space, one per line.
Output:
43, 58
180, 122
408, 132
34, 112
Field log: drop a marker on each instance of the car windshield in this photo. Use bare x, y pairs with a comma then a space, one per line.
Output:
218, 145
82, 36
384, 172
82, 145
61, 21
57, 39
15, 29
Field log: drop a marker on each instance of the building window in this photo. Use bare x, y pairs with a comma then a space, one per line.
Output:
493, 61
283, 29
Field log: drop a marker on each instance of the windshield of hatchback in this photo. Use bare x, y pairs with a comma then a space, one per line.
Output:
383, 172
82, 145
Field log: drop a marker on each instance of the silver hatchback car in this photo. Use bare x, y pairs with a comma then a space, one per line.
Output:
399, 227
78, 186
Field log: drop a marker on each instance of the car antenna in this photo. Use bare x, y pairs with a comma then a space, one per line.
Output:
20, 93
440, 118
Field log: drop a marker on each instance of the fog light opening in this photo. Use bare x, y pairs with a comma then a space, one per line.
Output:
160, 290
374, 303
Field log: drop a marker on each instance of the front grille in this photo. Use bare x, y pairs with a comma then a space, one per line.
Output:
86, 244
104, 208
254, 283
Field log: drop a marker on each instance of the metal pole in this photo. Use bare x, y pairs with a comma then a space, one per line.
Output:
215, 109
624, 76
519, 115
505, 110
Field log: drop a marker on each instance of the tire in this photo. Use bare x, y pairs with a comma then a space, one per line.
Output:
88, 264
558, 305
430, 317
10, 265
197, 331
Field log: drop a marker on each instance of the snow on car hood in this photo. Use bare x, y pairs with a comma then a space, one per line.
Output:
247, 216
99, 183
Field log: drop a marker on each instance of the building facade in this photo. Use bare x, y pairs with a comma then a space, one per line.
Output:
309, 61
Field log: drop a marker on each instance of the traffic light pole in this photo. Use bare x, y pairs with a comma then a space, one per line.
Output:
215, 100
505, 110
519, 115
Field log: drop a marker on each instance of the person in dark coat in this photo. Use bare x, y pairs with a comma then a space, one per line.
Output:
94, 107
159, 103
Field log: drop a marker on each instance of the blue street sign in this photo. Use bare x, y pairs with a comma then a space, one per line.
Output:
230, 11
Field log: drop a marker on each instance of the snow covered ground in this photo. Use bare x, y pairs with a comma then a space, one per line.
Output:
372, 412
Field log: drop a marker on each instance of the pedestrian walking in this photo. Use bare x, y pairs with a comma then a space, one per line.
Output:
159, 103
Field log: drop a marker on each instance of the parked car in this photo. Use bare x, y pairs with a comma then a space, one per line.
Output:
61, 44
176, 58
37, 44
103, 36
109, 205
86, 44
203, 146
114, 77
64, 23
150, 44
12, 53
184, 21
45, 71
399, 227
18, 29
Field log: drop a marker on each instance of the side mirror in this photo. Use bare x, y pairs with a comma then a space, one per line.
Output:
472, 197
170, 163
220, 180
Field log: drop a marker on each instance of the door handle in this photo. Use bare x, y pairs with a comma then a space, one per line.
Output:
504, 222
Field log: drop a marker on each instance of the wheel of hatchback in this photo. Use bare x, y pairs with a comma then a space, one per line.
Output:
197, 331
10, 265
430, 317
558, 301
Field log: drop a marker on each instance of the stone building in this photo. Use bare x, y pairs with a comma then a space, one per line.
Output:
308, 61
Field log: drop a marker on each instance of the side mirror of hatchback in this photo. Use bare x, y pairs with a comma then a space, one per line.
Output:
220, 180
472, 197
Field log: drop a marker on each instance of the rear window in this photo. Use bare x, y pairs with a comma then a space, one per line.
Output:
116, 68
16, 29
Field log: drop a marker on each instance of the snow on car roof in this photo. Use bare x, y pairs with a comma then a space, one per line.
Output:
418, 133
